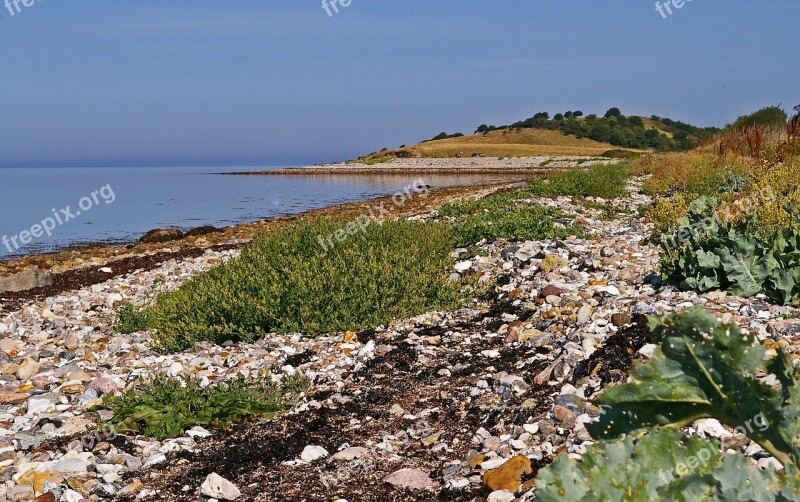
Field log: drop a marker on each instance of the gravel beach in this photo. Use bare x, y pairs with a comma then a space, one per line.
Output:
417, 410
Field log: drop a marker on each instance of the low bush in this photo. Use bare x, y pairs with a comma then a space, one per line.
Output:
701, 369
696, 174
288, 282
505, 215
607, 181
165, 408
620, 154
783, 181
707, 253
665, 213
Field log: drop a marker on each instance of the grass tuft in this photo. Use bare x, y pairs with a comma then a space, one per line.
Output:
166, 408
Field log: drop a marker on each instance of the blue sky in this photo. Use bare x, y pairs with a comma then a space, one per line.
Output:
115, 82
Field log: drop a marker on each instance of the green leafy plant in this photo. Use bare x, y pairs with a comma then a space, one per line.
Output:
702, 368
504, 215
130, 319
164, 407
288, 281
709, 253
603, 180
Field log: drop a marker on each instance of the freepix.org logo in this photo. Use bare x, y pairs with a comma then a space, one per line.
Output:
15, 6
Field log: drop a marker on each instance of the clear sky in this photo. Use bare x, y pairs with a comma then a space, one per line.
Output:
122, 82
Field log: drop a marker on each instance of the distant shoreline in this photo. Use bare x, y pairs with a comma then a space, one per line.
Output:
525, 166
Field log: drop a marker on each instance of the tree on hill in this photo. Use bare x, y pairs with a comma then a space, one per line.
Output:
577, 114
770, 117
613, 112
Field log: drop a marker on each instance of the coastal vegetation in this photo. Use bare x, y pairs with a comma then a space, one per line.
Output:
164, 407
726, 214
606, 181
288, 282
725, 217
613, 127
701, 369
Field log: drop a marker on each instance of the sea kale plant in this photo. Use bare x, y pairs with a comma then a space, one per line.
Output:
701, 369
709, 253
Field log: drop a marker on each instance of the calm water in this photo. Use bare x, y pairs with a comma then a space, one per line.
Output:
121, 204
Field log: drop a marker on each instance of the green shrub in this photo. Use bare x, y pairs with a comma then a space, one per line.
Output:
504, 216
620, 154
605, 180
709, 253
130, 319
164, 407
769, 117
701, 369
695, 174
287, 282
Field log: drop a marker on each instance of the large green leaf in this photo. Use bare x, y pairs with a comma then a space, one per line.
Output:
662, 465
703, 369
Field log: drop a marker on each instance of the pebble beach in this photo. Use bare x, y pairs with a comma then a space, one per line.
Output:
419, 409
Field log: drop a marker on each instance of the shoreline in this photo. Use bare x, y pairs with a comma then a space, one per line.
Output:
75, 268
527, 166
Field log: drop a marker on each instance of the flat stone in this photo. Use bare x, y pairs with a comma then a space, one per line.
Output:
349, 454
26, 280
312, 453
13, 398
215, 486
410, 479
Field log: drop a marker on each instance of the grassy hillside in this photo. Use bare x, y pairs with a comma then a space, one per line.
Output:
502, 143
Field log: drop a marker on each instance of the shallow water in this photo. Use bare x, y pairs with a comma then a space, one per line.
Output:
120, 204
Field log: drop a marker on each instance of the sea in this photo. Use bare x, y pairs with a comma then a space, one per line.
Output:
50, 208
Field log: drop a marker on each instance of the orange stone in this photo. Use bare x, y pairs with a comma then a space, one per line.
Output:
509, 475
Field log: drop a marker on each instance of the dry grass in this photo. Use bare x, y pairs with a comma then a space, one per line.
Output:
509, 143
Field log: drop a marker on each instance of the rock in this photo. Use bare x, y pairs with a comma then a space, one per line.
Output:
28, 369
509, 475
552, 291
71, 496
71, 342
765, 463
565, 416
553, 262
13, 398
410, 479
204, 230
786, 327
38, 479
9, 346
585, 314
501, 496
621, 320
349, 454
26, 280
20, 493
160, 235
215, 486
463, 266
104, 386
45, 497
312, 453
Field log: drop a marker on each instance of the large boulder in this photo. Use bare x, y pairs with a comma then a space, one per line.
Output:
160, 235
23, 281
